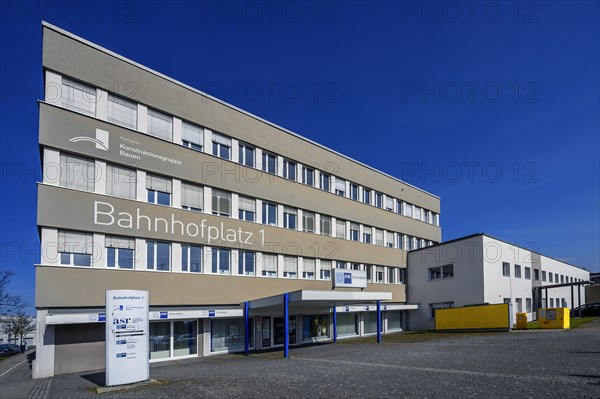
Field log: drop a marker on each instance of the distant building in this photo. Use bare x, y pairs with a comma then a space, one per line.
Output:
6, 338
480, 269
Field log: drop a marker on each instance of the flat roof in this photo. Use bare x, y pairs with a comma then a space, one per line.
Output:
313, 298
497, 239
145, 68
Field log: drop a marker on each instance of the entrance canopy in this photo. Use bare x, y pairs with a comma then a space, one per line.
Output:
310, 300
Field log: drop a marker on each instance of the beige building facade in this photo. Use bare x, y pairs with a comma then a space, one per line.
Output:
151, 184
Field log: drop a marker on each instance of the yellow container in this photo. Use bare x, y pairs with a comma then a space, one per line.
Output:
521, 321
481, 317
554, 318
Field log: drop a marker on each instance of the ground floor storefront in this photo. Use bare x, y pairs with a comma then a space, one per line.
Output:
73, 340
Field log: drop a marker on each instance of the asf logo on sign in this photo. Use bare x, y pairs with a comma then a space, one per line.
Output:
101, 139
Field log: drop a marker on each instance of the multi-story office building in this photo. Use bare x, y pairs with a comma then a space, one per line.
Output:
151, 184
481, 269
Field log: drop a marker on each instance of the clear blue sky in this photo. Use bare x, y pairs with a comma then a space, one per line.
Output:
494, 108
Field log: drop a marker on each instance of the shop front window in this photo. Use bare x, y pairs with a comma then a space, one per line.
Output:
160, 340
315, 327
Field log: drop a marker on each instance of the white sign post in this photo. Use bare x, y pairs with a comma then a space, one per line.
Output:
127, 330
349, 278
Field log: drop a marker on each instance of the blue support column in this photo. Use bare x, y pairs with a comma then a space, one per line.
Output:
334, 324
378, 322
286, 324
246, 328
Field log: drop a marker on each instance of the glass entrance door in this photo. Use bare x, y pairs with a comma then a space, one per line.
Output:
266, 332
279, 333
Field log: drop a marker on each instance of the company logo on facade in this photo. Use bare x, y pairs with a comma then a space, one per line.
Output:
353, 278
101, 140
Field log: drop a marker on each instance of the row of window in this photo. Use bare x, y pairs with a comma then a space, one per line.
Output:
551, 277
80, 173
82, 98
76, 249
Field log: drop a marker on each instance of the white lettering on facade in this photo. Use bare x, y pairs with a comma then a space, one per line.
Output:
104, 214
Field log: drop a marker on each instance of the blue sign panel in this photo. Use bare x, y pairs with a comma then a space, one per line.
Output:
164, 315
102, 317
211, 313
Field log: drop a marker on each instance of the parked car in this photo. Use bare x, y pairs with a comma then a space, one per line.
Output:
587, 310
9, 349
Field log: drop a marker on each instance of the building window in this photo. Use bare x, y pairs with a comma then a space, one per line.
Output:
379, 237
369, 270
308, 271
325, 224
289, 169
75, 248
506, 269
269, 214
389, 203
409, 243
289, 218
340, 187
290, 267
308, 176
121, 182
340, 264
367, 196
436, 219
519, 302
367, 234
562, 279
158, 189
378, 200
78, 96
221, 260
528, 305
536, 274
391, 275
325, 182
551, 302
247, 209
246, 263
269, 268
221, 146
379, 274
550, 277
527, 273
158, 255
354, 266
160, 125
544, 276
269, 163
441, 272
77, 172
120, 252
122, 112
408, 210
325, 273
417, 213
191, 258
221, 203
354, 231
517, 271
401, 276
192, 136
308, 221
354, 191
192, 197
435, 306
389, 239
340, 229
246, 155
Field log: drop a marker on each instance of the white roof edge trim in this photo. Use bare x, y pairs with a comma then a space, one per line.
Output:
127, 60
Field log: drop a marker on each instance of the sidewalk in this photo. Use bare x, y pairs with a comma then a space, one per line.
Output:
15, 375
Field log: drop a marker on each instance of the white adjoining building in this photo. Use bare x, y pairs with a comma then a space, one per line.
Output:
479, 269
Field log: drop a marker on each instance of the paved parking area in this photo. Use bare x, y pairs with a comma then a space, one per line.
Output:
520, 364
